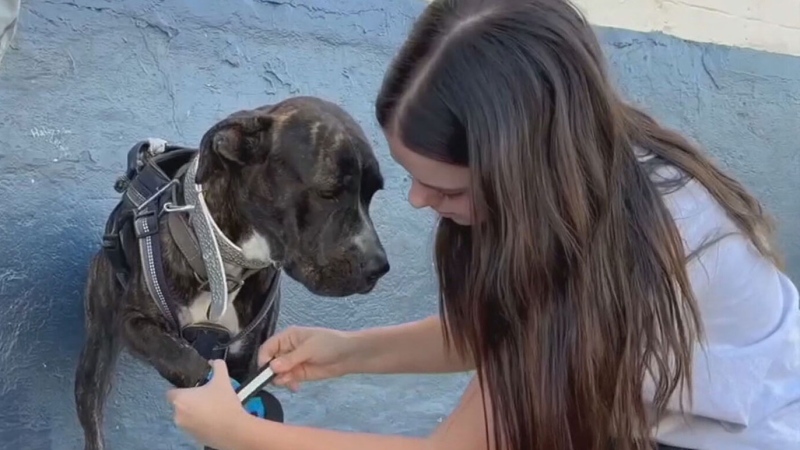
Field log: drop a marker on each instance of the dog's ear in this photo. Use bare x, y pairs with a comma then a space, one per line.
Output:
237, 141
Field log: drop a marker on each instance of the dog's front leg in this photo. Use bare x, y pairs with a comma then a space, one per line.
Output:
149, 339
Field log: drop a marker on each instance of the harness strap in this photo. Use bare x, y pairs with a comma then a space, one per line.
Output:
182, 233
184, 237
146, 187
187, 244
215, 248
113, 243
230, 252
146, 225
273, 293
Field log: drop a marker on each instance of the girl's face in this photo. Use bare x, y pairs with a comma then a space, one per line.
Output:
443, 187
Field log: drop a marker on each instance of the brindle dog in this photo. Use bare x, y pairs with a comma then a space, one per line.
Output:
290, 182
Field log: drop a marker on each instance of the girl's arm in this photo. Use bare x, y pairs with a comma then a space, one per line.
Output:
414, 347
465, 429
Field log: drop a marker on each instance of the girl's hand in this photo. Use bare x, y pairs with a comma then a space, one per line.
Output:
208, 412
308, 354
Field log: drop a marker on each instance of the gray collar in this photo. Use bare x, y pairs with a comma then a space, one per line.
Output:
215, 248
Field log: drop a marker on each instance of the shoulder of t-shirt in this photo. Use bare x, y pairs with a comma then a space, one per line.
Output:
741, 294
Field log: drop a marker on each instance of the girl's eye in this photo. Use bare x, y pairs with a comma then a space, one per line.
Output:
450, 196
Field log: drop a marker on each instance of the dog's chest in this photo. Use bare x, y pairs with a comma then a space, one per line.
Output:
197, 310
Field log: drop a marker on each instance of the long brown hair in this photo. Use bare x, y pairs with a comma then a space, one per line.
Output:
572, 289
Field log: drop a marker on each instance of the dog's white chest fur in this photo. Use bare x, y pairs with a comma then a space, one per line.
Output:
197, 311
255, 247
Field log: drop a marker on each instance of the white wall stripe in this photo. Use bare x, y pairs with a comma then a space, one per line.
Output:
767, 25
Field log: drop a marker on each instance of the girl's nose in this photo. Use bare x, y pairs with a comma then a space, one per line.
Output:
421, 197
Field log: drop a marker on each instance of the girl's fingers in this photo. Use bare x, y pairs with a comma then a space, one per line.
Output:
288, 381
282, 380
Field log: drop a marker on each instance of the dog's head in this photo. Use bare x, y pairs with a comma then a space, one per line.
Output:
304, 174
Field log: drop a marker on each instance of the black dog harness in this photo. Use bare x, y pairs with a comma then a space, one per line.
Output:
160, 180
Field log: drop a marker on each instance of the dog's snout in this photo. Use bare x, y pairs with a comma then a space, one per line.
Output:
375, 267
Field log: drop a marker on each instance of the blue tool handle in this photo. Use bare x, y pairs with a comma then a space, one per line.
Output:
254, 400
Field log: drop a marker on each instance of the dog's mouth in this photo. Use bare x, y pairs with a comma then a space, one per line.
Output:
330, 285
344, 290
369, 287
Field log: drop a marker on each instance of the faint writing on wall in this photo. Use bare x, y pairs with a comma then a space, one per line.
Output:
54, 136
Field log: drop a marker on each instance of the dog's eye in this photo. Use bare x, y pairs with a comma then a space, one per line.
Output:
328, 194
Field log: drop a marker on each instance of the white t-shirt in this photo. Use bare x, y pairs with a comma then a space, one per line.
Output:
746, 377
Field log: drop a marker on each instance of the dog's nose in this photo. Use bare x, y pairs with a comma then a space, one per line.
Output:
376, 267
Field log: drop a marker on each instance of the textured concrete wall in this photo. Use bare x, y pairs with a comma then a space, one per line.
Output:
88, 78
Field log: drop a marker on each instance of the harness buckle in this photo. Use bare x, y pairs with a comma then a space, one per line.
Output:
122, 183
208, 339
146, 213
110, 242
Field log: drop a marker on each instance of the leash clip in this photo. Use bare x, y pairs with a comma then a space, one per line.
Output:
170, 208
157, 194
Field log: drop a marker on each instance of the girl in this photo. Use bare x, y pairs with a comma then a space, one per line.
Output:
610, 286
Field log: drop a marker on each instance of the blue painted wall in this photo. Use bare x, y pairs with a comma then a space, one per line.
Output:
86, 79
